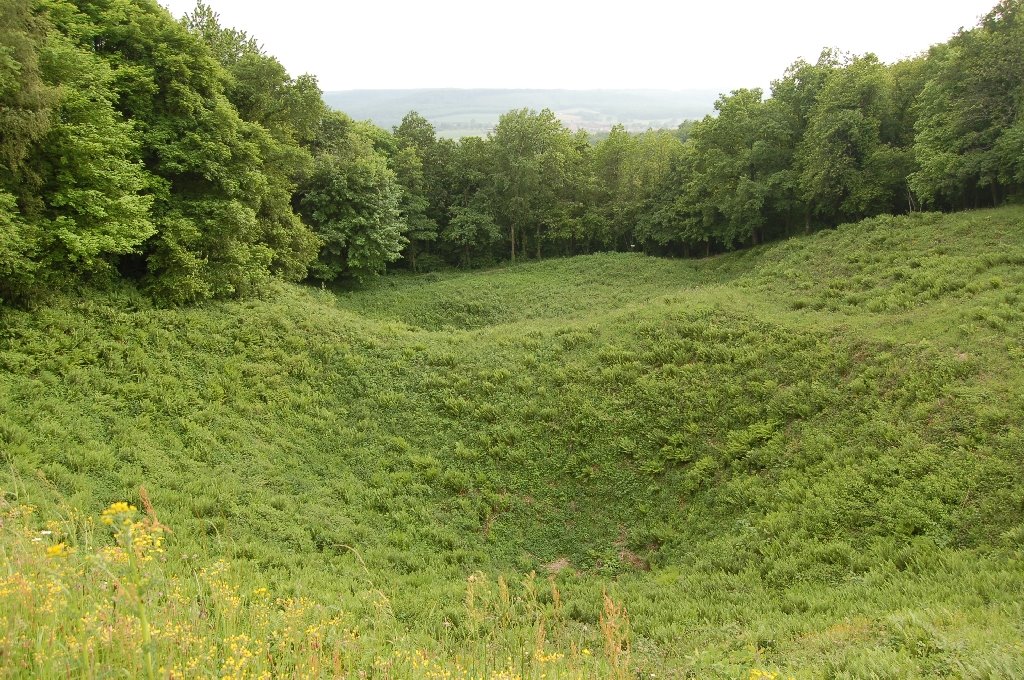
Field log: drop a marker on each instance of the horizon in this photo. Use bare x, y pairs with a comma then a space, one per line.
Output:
529, 89
459, 112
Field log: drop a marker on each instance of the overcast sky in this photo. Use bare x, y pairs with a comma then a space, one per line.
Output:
716, 44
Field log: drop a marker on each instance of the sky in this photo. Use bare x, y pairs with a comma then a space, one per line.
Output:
639, 44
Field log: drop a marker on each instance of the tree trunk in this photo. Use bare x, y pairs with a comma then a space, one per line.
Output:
538, 241
512, 234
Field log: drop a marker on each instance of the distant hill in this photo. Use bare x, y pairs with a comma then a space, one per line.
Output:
457, 113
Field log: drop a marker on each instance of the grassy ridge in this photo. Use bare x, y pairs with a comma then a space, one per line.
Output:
804, 457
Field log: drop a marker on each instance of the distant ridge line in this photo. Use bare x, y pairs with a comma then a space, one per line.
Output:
461, 111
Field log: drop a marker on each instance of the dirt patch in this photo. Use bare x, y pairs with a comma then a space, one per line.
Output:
627, 556
634, 560
558, 566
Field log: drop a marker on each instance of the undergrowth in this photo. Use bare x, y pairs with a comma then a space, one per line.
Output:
801, 459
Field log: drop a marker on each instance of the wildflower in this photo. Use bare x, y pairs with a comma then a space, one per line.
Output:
118, 511
58, 550
759, 674
585, 652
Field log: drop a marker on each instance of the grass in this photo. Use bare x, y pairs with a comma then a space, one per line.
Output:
79, 607
802, 459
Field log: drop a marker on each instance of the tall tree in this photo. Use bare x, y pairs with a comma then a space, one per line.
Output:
71, 190
850, 161
627, 171
608, 223
289, 111
415, 165
470, 226
26, 111
794, 97
533, 153
352, 199
970, 130
727, 182
92, 201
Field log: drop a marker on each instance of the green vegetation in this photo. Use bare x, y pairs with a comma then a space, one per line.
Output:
803, 458
179, 156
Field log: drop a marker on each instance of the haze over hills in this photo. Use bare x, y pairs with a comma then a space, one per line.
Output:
459, 112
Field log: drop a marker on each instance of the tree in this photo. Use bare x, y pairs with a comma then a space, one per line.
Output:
257, 84
726, 182
609, 224
970, 125
71, 189
289, 111
671, 219
221, 218
628, 171
352, 199
26, 110
792, 103
532, 155
414, 159
471, 227
850, 162
466, 183
91, 185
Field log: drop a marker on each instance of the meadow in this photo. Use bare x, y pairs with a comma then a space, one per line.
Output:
800, 460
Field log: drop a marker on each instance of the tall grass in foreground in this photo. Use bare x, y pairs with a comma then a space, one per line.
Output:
87, 598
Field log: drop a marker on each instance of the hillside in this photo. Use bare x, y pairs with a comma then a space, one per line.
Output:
804, 458
458, 113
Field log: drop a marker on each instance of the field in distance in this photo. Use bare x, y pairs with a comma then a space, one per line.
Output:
460, 113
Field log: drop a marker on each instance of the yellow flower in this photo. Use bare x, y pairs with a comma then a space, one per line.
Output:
115, 510
585, 652
58, 550
759, 674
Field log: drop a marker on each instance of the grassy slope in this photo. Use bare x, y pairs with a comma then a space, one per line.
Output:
816, 445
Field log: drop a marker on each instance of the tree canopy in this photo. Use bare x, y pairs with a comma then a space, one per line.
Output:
180, 155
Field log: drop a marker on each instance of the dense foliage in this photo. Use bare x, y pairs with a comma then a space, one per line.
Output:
181, 155
175, 153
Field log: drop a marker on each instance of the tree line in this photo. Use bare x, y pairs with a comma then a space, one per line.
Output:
179, 154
